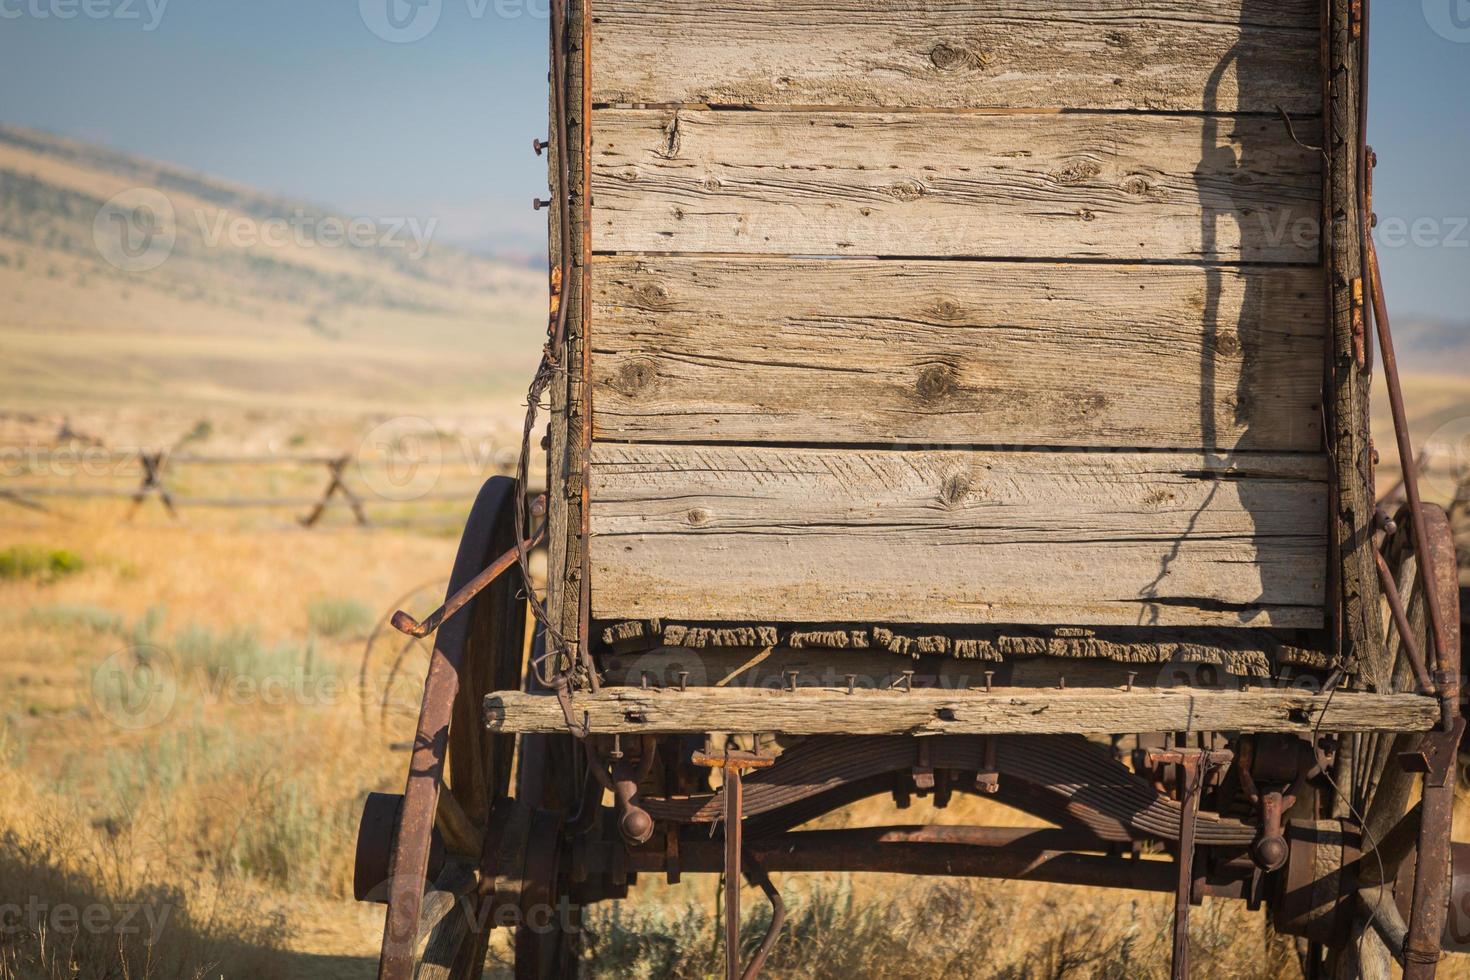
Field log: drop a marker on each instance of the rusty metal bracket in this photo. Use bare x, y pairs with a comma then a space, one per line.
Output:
1435, 756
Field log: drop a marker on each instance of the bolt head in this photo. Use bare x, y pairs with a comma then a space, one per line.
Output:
1270, 853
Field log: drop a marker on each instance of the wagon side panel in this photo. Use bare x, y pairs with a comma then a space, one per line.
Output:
1001, 314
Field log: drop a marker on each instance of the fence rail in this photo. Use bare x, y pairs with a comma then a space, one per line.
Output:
155, 467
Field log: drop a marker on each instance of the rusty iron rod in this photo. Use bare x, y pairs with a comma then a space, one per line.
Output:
406, 624
1192, 777
795, 852
757, 874
1022, 838
734, 803
1427, 581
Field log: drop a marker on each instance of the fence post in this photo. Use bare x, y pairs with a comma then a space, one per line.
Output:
152, 484
336, 485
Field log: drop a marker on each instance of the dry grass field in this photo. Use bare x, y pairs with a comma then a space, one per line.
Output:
225, 808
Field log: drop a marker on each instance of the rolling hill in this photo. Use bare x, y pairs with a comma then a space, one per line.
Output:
133, 287
100, 321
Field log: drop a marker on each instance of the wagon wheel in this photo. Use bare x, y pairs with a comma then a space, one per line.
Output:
434, 926
390, 676
1385, 788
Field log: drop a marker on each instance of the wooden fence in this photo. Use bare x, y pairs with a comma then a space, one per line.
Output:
344, 481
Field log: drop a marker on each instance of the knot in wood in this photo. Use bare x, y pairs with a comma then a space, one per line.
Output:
1158, 497
948, 310
1227, 344
1093, 404
1078, 172
952, 57
955, 489
699, 516
672, 139
1135, 184
937, 382
905, 190
634, 376
651, 295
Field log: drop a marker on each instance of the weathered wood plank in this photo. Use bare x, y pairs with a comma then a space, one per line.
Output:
810, 711
930, 184
1169, 539
1118, 54
945, 353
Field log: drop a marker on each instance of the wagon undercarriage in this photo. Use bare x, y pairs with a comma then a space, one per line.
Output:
672, 775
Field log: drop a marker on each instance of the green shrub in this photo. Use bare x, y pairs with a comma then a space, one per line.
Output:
28, 562
93, 619
336, 618
239, 654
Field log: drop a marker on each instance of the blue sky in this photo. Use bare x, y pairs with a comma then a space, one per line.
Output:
302, 98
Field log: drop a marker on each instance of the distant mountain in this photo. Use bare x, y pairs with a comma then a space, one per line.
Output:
1432, 346
132, 282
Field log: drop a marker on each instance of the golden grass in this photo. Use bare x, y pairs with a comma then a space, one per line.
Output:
238, 808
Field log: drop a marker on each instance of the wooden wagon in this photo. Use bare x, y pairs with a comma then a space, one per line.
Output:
947, 397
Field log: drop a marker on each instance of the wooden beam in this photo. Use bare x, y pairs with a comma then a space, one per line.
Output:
811, 711
1348, 383
1221, 56
937, 353
877, 536
565, 427
1047, 185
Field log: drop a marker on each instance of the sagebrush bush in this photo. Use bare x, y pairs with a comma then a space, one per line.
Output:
63, 617
339, 618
